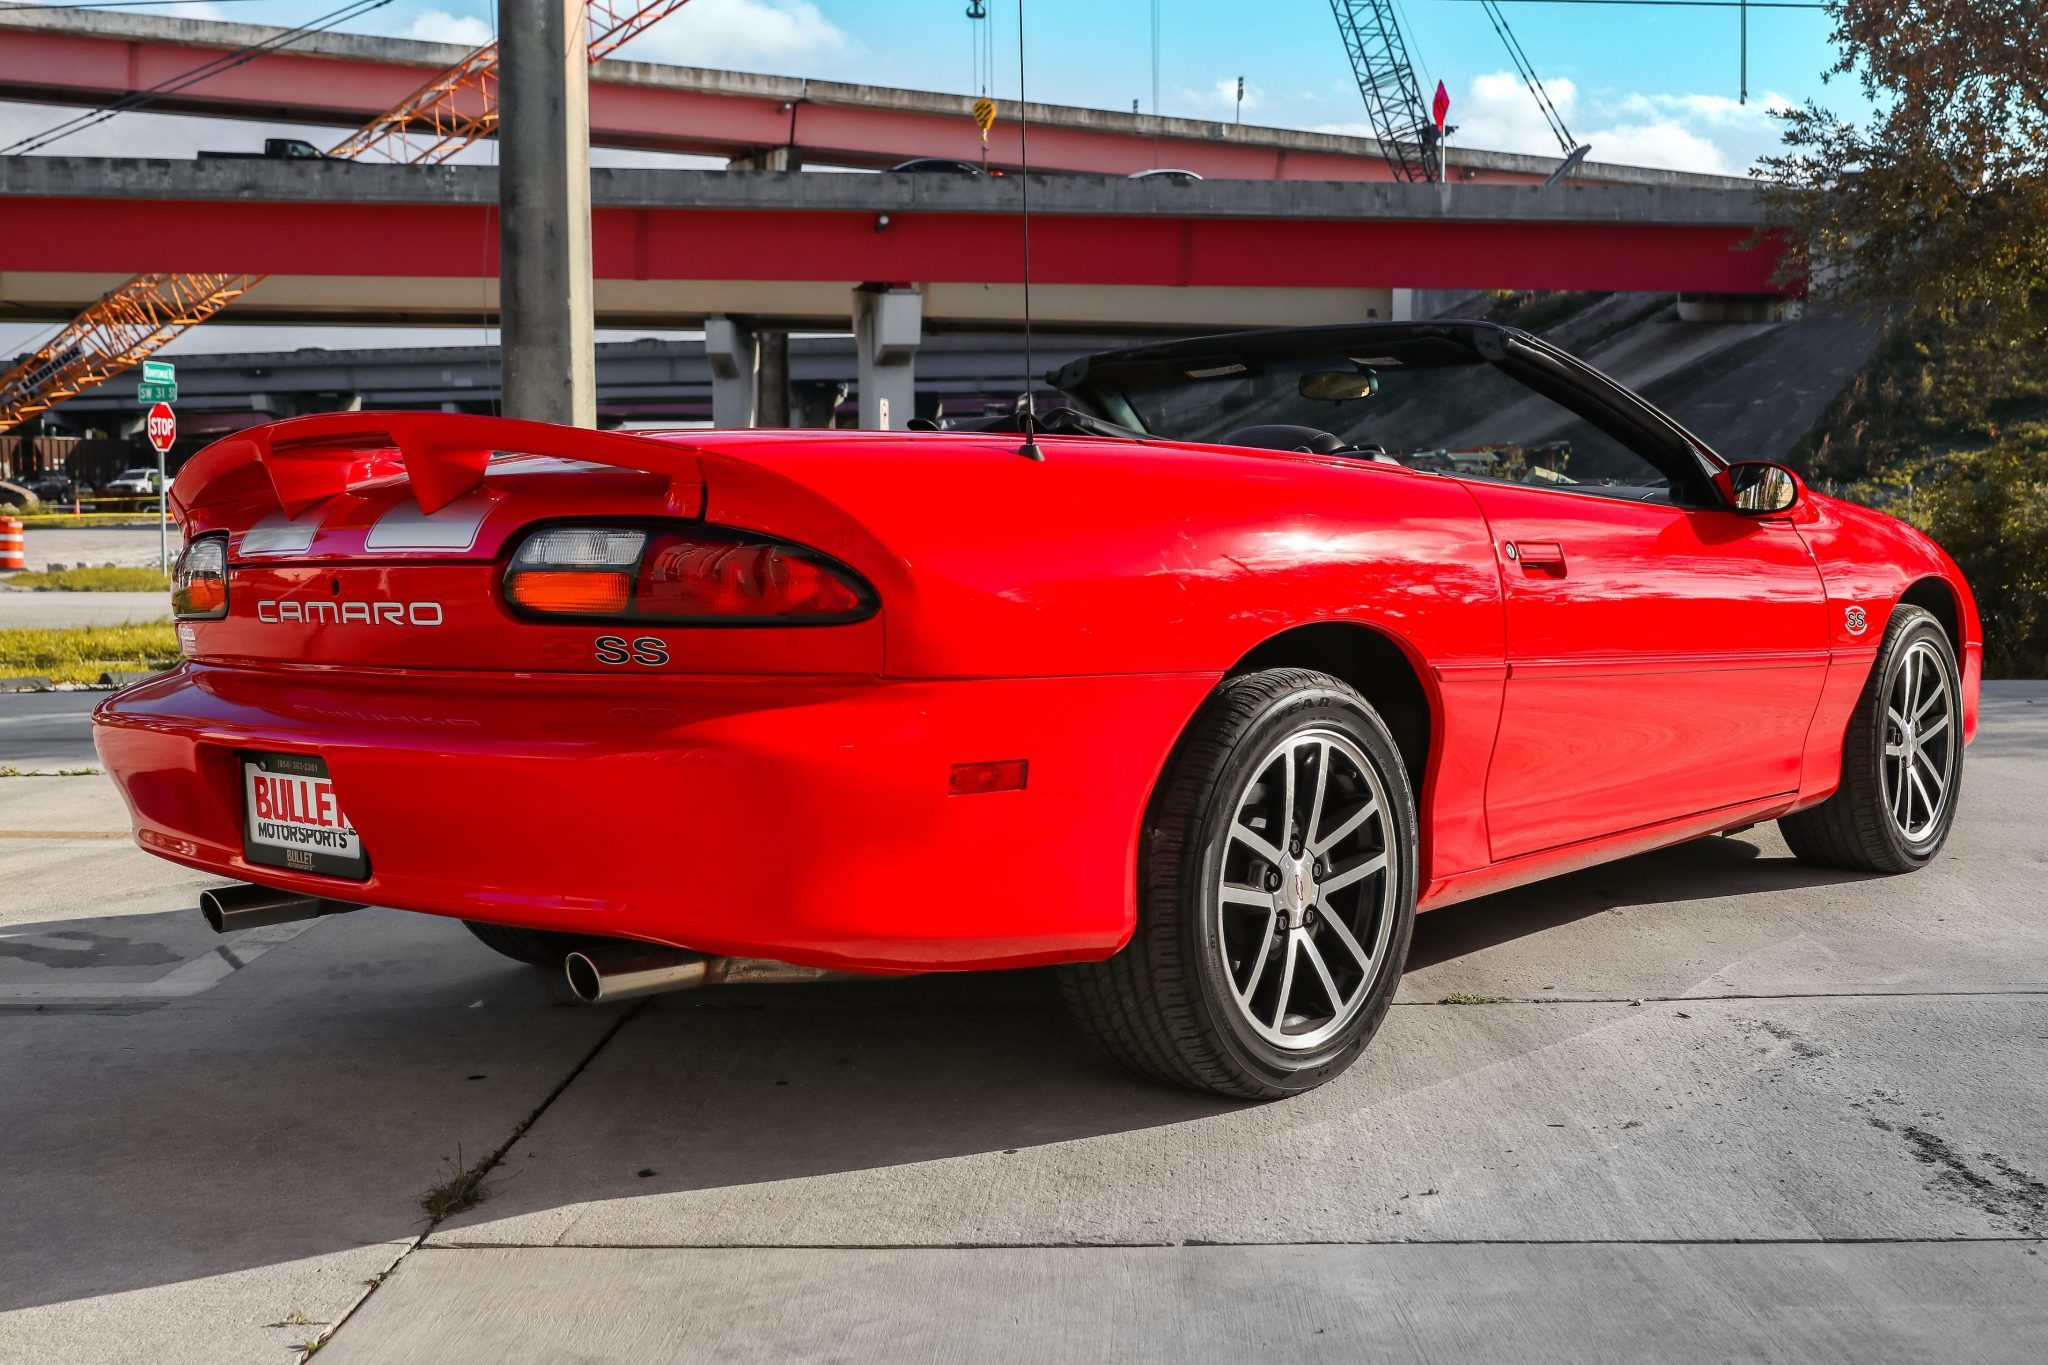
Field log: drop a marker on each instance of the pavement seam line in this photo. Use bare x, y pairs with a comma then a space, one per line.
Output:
1705, 999
489, 1164
59, 834
2030, 1239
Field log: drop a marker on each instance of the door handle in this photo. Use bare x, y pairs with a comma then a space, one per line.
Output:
1536, 554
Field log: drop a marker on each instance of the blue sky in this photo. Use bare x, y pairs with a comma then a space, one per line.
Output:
1660, 84
1644, 85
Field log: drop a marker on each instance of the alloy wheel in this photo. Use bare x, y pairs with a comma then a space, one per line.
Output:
1305, 896
1919, 743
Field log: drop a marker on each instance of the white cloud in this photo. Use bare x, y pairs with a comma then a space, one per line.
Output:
1711, 134
1225, 93
1664, 143
439, 26
741, 33
1499, 114
1218, 101
1720, 111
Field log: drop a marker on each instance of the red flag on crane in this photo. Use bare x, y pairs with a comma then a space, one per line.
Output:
1440, 107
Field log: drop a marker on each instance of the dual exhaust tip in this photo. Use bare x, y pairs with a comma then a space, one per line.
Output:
598, 974
231, 909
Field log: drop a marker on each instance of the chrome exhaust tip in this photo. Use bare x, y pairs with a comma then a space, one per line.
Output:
244, 906
626, 970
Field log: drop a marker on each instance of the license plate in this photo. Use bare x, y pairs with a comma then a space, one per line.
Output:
293, 819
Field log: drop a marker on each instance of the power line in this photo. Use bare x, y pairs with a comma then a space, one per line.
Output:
116, 4
206, 70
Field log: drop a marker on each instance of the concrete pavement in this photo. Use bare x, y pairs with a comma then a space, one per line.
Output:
1699, 1105
129, 547
45, 731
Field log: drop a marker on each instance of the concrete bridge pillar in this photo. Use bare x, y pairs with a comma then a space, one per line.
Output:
773, 407
768, 159
544, 285
888, 324
735, 355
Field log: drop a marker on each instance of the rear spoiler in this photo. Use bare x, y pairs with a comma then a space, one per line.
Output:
308, 459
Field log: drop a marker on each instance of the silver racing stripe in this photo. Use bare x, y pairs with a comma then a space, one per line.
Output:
454, 527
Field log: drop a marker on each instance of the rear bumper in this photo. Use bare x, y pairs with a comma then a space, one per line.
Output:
803, 820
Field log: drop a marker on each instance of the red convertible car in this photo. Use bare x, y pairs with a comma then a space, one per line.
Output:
1198, 686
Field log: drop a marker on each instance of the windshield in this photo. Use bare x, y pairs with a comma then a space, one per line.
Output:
1422, 402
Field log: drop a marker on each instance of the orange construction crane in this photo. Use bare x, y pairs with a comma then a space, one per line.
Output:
138, 317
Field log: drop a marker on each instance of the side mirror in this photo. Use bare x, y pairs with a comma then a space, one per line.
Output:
1760, 488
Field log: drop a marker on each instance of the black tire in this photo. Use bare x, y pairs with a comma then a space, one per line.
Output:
1858, 827
535, 947
1167, 1005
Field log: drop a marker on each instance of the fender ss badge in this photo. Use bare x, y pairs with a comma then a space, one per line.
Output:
649, 651
1856, 621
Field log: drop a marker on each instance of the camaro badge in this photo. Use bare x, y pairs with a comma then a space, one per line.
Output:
1856, 621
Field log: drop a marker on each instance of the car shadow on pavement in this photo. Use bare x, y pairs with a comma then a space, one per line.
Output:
1700, 870
304, 1105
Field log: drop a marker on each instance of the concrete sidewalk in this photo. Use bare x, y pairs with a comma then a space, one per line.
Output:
1700, 1105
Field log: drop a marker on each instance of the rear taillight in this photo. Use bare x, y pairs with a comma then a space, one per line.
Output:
199, 588
698, 575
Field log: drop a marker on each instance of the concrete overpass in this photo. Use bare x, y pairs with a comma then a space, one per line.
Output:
764, 122
888, 255
401, 243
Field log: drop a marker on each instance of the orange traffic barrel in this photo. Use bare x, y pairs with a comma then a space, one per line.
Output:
13, 550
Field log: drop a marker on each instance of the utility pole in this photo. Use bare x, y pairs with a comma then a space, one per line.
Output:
544, 282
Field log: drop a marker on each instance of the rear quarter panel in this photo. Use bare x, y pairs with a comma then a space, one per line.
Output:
1138, 558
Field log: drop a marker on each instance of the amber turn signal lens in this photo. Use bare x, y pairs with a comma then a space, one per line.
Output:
570, 592
203, 597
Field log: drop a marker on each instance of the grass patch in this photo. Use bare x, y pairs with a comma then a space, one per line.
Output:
105, 579
462, 1191
82, 653
9, 770
1461, 998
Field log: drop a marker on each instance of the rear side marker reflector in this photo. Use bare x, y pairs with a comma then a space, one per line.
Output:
973, 779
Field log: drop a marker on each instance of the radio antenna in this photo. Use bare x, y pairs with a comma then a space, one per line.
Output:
1028, 419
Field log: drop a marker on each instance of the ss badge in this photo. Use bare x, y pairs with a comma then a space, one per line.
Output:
648, 650
1856, 621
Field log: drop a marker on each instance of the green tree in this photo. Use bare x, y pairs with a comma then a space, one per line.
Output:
1990, 510
1935, 215
1939, 208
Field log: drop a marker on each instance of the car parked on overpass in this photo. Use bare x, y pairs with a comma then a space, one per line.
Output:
1198, 686
939, 165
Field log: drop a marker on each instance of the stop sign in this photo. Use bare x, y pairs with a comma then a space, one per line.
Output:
162, 427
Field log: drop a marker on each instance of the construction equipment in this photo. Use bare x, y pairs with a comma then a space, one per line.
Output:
140, 316
1574, 152
1393, 99
1386, 79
